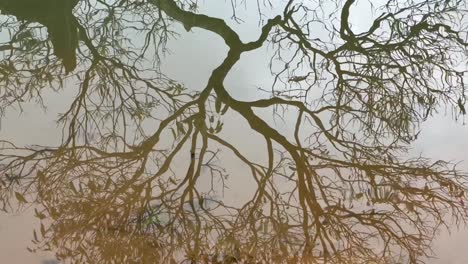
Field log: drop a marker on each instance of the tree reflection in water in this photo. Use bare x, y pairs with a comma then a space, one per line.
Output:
338, 190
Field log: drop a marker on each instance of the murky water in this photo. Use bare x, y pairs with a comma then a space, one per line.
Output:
140, 132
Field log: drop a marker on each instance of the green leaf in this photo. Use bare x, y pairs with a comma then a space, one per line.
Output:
219, 126
218, 105
180, 128
172, 180
225, 108
40, 175
43, 231
173, 133
39, 214
35, 235
20, 197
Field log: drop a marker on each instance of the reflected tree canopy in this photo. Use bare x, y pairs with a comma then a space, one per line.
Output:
124, 184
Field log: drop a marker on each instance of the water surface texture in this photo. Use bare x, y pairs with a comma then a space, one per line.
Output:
177, 131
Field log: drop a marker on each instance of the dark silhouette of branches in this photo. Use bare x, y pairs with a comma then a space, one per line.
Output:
124, 184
